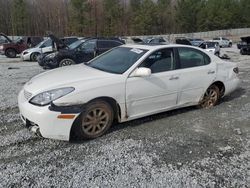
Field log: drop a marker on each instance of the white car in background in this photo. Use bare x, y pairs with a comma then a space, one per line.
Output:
125, 83
31, 54
223, 42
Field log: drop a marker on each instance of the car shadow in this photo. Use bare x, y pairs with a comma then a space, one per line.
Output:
137, 122
234, 95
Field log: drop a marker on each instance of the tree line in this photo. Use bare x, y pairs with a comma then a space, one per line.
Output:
121, 17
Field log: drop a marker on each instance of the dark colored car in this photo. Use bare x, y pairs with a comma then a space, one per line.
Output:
78, 52
183, 40
245, 48
12, 48
196, 42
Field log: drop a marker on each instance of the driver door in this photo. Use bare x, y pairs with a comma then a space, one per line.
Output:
157, 92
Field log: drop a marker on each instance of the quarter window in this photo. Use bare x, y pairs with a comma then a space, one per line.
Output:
192, 58
160, 61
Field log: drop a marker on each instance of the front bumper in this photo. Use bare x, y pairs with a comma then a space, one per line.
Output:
50, 126
25, 57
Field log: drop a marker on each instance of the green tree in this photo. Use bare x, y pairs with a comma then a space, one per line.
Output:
112, 11
145, 20
187, 13
78, 16
19, 17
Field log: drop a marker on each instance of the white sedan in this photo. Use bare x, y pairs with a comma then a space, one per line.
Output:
125, 83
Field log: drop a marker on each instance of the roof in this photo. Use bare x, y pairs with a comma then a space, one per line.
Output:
155, 47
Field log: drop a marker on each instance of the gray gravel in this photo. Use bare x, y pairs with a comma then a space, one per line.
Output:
189, 147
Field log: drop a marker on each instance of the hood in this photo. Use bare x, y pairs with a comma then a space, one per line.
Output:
59, 43
6, 37
31, 50
64, 77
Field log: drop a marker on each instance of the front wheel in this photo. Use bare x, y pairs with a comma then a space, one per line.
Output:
96, 119
210, 97
34, 56
11, 53
66, 62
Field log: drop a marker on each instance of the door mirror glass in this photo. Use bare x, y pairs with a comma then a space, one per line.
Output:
141, 72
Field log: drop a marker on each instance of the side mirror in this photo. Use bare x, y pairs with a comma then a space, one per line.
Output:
141, 72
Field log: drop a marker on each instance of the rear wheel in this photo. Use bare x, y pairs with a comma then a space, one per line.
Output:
210, 97
95, 120
11, 53
230, 44
34, 56
66, 62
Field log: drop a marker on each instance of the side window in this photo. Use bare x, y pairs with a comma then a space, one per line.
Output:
47, 43
192, 58
113, 44
106, 44
103, 44
88, 45
160, 61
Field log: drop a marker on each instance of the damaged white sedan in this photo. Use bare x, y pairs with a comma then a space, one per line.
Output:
126, 83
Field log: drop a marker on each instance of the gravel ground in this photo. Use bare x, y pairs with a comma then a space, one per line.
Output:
189, 147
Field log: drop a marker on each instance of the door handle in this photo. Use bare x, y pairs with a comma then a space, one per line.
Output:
174, 78
211, 72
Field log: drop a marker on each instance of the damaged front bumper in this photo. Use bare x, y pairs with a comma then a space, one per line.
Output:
49, 119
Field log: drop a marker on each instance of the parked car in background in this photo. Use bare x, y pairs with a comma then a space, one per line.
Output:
155, 40
11, 49
195, 41
183, 41
4, 38
126, 83
79, 52
223, 42
45, 47
209, 46
245, 48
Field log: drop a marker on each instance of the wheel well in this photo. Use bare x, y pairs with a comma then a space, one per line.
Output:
112, 102
10, 49
221, 87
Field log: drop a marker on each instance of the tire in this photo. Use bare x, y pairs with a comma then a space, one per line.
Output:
34, 56
10, 53
230, 45
66, 62
96, 119
211, 97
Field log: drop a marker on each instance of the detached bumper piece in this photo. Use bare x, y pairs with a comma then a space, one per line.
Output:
33, 127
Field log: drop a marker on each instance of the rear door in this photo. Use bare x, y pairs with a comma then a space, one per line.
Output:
196, 73
105, 45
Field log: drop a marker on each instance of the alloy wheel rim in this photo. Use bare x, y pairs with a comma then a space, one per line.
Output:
95, 121
66, 63
210, 98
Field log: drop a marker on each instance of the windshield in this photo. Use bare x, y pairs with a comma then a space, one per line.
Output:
75, 44
117, 60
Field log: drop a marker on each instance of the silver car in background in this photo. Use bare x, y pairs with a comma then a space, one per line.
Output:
31, 54
212, 47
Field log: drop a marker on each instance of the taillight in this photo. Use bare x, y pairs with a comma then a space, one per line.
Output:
236, 70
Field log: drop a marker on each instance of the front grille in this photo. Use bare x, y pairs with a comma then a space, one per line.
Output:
27, 95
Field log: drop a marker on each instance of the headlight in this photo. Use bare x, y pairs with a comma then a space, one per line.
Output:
47, 97
52, 55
